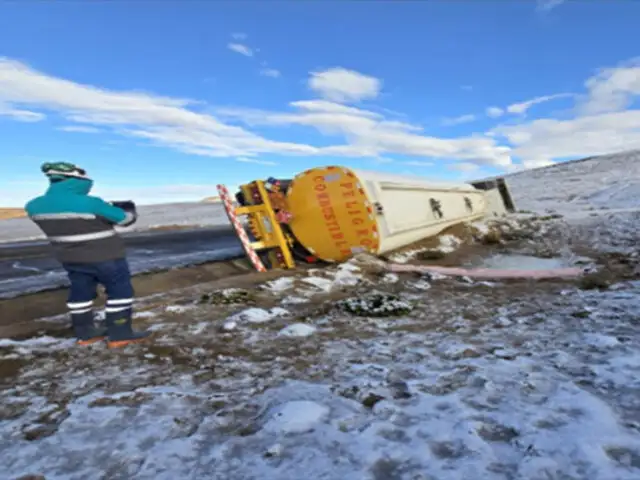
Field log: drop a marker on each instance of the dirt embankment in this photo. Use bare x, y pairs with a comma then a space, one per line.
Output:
9, 213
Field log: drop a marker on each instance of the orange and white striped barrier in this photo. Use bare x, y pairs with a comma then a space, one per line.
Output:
242, 234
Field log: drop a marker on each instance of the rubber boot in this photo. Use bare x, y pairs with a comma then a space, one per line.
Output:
120, 331
85, 329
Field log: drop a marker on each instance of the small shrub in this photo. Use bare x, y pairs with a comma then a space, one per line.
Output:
376, 305
492, 237
595, 281
227, 297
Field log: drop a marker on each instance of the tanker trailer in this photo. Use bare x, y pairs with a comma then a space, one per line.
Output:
330, 213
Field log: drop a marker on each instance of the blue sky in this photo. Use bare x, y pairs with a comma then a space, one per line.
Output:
161, 101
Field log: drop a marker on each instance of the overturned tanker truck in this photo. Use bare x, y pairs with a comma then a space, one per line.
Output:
328, 214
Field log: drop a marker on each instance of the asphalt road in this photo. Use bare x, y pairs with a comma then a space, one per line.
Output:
27, 267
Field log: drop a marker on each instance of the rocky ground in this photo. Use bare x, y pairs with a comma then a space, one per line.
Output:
355, 373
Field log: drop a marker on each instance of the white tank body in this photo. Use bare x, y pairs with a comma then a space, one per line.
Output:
409, 209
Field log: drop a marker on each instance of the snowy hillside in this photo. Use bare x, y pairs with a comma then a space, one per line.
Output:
608, 181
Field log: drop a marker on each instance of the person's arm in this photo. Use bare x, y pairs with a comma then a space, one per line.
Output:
113, 214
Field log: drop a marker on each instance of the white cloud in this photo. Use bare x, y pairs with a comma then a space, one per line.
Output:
612, 89
20, 115
600, 125
255, 161
522, 107
171, 122
358, 132
270, 72
381, 160
494, 112
330, 107
342, 85
548, 5
458, 120
465, 167
239, 36
79, 129
417, 163
165, 121
369, 134
241, 49
545, 139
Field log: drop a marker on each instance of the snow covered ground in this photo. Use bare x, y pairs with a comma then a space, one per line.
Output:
314, 376
150, 216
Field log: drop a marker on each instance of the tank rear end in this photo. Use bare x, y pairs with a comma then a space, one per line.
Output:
331, 215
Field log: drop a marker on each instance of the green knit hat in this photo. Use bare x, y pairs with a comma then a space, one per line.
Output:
62, 170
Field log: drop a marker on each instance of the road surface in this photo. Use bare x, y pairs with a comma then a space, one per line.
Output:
27, 267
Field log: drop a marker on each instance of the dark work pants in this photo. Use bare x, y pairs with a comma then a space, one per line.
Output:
114, 275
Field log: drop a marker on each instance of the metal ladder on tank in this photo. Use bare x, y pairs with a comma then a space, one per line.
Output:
263, 225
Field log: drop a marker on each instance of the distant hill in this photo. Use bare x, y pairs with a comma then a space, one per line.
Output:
214, 199
9, 213
593, 183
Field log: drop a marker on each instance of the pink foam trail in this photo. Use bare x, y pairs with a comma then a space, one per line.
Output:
488, 272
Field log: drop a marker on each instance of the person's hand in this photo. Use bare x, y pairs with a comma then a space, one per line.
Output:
127, 205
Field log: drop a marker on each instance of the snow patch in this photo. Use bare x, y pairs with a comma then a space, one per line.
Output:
482, 227
296, 417
291, 300
599, 340
323, 284
30, 342
199, 328
421, 285
390, 278
405, 256
178, 308
229, 325
280, 284
347, 275
449, 243
298, 330
258, 315
344, 275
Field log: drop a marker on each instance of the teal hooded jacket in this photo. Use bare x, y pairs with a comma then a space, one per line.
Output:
78, 225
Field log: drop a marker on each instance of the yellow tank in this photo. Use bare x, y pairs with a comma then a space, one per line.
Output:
335, 212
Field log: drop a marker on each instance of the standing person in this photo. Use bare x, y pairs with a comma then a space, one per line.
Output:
80, 228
